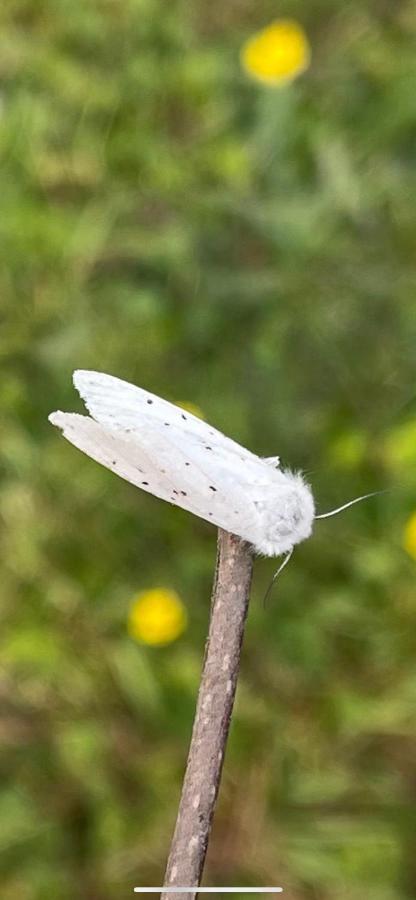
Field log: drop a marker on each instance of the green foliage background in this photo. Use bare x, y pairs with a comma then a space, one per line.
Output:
167, 220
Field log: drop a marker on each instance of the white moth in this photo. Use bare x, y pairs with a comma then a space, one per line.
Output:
172, 454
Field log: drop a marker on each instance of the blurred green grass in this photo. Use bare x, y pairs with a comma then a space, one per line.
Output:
166, 220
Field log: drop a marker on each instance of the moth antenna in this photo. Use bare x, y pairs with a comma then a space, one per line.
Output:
333, 512
276, 575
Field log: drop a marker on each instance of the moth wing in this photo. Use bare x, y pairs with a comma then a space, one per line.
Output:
119, 405
149, 465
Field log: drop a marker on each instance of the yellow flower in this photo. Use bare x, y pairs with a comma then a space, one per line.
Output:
191, 408
277, 54
409, 536
157, 616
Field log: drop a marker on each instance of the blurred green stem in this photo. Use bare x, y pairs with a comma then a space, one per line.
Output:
213, 715
275, 121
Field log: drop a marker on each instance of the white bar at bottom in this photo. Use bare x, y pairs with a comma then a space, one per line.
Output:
208, 890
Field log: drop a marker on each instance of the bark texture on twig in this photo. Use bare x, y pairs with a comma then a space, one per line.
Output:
213, 714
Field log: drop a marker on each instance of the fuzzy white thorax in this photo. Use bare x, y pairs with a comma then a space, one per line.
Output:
285, 516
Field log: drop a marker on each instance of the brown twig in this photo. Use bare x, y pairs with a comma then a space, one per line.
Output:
212, 718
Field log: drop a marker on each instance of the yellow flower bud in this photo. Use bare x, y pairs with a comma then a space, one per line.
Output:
192, 408
409, 536
157, 617
277, 54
